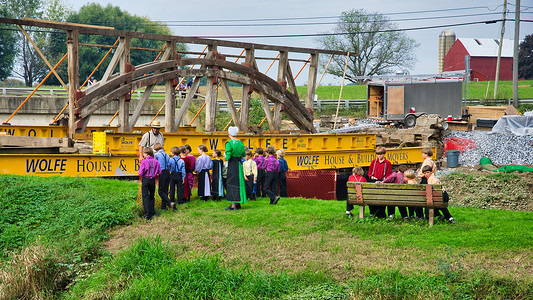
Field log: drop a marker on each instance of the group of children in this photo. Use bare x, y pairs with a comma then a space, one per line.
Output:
262, 174
380, 170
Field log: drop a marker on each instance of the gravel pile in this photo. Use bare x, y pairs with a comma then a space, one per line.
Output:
502, 149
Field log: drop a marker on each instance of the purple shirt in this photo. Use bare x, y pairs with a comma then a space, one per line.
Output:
395, 177
149, 167
260, 161
271, 164
203, 162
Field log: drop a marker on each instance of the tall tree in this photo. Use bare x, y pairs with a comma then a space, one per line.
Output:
525, 58
7, 47
111, 16
372, 36
29, 65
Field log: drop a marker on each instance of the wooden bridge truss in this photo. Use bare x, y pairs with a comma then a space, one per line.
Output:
171, 66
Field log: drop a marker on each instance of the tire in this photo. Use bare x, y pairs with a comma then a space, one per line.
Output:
410, 120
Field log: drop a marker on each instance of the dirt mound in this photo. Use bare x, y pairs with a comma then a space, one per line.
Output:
485, 189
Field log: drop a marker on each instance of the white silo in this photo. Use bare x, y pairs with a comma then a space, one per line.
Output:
446, 40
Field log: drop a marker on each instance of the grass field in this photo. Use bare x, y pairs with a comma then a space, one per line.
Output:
86, 240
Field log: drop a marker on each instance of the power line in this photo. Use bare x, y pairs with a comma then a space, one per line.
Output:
362, 32
320, 34
316, 17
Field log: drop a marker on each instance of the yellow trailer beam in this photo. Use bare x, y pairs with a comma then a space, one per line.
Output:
62, 131
128, 165
128, 143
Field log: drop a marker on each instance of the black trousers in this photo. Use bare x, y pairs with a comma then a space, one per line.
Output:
282, 179
271, 181
249, 185
148, 193
416, 212
176, 185
164, 181
261, 185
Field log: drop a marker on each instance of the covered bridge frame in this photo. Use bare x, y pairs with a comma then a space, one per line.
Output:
281, 91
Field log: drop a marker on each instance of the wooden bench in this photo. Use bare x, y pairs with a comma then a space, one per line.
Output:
417, 195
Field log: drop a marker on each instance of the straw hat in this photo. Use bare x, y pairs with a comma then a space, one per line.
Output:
156, 124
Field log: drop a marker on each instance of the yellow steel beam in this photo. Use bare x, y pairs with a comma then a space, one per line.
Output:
62, 131
128, 165
128, 143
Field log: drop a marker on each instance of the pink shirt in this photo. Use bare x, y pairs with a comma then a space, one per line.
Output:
150, 167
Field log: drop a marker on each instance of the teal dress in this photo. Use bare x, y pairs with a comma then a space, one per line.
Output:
235, 180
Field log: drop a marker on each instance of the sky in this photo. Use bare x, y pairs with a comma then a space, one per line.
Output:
326, 12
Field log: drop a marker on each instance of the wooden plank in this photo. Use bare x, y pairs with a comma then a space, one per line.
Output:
407, 204
73, 77
210, 101
187, 102
124, 102
311, 82
395, 100
404, 198
392, 186
85, 29
231, 104
31, 141
140, 105
394, 192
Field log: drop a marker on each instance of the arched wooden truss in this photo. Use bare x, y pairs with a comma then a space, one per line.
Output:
171, 66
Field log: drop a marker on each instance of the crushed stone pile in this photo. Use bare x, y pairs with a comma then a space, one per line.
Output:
502, 149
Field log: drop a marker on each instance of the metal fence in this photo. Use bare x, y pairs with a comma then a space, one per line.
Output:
319, 184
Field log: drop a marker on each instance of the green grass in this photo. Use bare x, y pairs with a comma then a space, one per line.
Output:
70, 213
298, 249
477, 90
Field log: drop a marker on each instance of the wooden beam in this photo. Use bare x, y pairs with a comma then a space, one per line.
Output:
231, 104
66, 23
311, 82
83, 29
210, 100
187, 102
140, 105
124, 101
73, 78
113, 63
264, 101
170, 96
43, 58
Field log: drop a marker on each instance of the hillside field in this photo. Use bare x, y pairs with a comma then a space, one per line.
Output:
79, 238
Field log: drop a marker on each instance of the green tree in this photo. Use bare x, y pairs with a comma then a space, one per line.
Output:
29, 65
525, 58
7, 47
380, 49
112, 16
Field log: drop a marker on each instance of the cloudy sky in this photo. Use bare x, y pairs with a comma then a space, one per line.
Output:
257, 16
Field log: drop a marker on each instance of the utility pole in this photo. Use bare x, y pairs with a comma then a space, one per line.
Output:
515, 52
500, 50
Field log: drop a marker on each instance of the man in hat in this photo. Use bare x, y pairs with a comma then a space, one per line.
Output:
152, 137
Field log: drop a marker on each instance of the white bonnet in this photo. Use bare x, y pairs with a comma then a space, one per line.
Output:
232, 131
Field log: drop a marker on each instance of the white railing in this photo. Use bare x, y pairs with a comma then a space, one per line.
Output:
60, 93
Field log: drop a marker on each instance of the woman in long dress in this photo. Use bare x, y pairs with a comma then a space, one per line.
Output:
203, 165
236, 192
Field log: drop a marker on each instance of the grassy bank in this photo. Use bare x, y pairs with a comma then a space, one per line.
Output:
298, 249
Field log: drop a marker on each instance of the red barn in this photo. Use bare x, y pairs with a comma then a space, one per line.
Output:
483, 58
